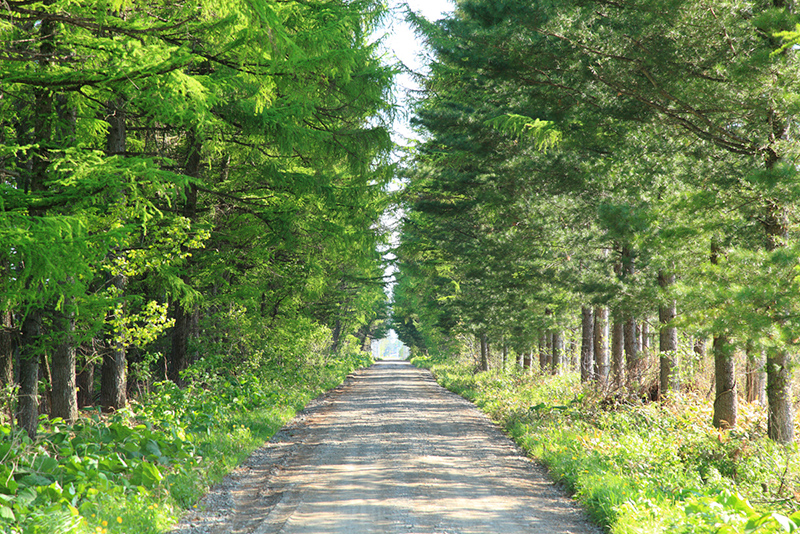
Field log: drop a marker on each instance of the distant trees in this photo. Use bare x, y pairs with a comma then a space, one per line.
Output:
178, 176
636, 156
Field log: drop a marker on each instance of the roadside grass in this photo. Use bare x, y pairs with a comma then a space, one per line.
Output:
137, 470
641, 467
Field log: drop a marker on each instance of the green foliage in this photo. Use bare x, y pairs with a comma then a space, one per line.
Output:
542, 133
135, 470
635, 467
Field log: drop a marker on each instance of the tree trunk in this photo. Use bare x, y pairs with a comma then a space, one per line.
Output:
85, 380
28, 403
667, 339
780, 419
484, 363
617, 352
505, 357
699, 349
7, 346
587, 344
780, 423
543, 352
183, 316
601, 344
725, 400
755, 377
113, 375
558, 352
113, 379
64, 393
631, 343
644, 328
46, 379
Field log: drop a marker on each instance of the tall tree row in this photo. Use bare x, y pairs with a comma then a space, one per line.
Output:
183, 181
634, 160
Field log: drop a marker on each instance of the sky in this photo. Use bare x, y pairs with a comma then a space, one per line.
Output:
403, 44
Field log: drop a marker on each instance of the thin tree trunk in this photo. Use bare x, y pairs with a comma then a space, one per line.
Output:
543, 351
725, 400
780, 423
644, 328
618, 352
65, 394
631, 344
558, 352
7, 346
755, 377
28, 403
85, 380
699, 349
183, 315
484, 363
113, 377
587, 344
601, 344
45, 376
668, 339
505, 357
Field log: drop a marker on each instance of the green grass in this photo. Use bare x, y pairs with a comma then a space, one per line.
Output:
641, 468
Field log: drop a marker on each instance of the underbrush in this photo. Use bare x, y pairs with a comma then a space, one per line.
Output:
642, 468
137, 470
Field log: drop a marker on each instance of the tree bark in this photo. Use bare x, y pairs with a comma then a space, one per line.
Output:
631, 344
558, 352
65, 395
644, 343
85, 380
755, 377
601, 344
543, 352
780, 419
587, 344
668, 339
602, 364
183, 316
617, 352
725, 400
28, 403
7, 346
484, 363
113, 375
780, 423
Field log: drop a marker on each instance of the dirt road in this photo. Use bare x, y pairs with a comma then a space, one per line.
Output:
390, 451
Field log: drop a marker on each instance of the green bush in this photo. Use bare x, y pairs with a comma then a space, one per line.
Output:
135, 470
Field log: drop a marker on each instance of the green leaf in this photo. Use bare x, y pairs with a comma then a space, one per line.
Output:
787, 524
7, 513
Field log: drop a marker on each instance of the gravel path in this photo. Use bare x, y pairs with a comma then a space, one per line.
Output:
389, 451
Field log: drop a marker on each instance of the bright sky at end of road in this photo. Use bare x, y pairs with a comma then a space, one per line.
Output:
404, 46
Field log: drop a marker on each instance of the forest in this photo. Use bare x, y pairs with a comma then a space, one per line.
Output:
608, 191
190, 203
598, 244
